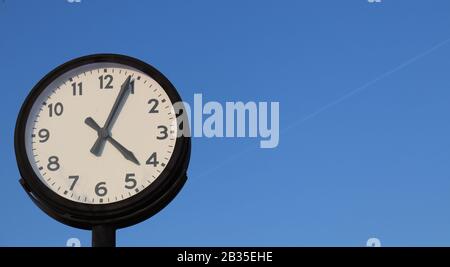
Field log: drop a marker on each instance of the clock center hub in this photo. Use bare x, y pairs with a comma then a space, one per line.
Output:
103, 133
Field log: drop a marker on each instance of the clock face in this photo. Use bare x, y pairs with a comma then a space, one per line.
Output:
100, 133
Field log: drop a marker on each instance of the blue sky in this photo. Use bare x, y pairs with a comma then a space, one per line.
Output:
364, 92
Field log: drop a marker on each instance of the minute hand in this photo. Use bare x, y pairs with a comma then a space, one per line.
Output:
104, 132
115, 108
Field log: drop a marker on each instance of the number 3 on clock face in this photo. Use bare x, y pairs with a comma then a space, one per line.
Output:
99, 132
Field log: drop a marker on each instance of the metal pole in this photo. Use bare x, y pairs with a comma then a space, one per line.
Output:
103, 236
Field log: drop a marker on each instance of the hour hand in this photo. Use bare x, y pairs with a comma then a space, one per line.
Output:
125, 152
102, 134
91, 123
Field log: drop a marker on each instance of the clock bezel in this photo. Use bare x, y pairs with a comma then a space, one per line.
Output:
121, 213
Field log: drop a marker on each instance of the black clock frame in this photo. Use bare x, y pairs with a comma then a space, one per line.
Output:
112, 215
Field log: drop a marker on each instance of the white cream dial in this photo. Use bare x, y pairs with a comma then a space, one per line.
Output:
59, 139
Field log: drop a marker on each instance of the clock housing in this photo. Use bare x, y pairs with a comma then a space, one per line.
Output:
122, 213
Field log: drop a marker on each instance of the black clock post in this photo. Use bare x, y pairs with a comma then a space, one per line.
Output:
103, 236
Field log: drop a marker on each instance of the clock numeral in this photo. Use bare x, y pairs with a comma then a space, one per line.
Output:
44, 134
75, 179
155, 103
152, 160
163, 132
56, 109
53, 163
105, 81
130, 181
80, 88
100, 189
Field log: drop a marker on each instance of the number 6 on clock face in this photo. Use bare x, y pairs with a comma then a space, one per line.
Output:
99, 132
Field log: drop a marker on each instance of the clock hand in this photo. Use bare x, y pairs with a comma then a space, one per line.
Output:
125, 152
102, 135
115, 108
